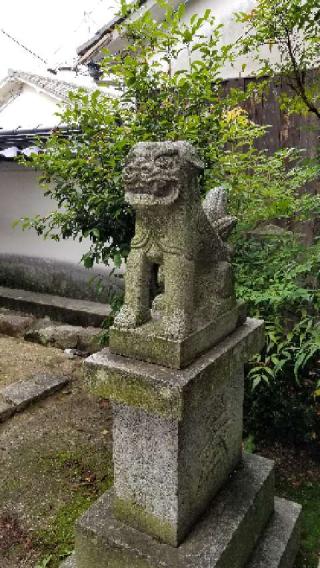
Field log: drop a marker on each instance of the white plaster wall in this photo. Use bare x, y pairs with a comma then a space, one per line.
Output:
30, 109
224, 11
21, 196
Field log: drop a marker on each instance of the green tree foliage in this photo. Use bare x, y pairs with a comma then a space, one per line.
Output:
282, 283
155, 99
291, 28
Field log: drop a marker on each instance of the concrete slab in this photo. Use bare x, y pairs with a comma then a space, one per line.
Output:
225, 537
74, 312
23, 393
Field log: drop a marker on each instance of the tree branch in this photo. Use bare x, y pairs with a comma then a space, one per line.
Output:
300, 85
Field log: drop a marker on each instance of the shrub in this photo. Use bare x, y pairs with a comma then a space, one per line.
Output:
155, 101
279, 279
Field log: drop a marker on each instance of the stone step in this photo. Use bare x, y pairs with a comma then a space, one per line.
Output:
67, 310
224, 538
278, 546
280, 542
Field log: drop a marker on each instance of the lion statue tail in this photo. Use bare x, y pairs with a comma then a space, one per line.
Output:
214, 206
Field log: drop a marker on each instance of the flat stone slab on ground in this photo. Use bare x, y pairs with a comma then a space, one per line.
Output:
22, 393
224, 538
6, 409
68, 310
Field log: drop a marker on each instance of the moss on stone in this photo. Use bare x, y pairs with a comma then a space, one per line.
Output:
134, 391
136, 516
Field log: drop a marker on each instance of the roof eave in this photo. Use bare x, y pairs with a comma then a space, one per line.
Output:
89, 51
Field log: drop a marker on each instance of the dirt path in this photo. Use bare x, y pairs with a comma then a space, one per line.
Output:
55, 460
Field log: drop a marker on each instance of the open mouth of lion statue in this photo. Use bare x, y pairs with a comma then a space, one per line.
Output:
152, 191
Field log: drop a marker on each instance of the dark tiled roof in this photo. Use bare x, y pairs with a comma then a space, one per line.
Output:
104, 31
23, 141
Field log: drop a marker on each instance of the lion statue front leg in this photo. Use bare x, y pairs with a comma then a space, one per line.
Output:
179, 278
136, 309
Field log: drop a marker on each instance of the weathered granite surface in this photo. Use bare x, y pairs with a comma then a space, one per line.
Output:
167, 471
225, 537
177, 434
280, 542
179, 280
147, 344
276, 548
159, 390
23, 393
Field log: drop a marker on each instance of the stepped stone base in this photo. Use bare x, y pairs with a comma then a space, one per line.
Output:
228, 536
279, 545
276, 549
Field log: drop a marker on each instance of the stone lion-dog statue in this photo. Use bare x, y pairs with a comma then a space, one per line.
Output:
179, 240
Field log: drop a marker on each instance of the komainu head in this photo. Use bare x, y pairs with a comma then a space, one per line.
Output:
157, 172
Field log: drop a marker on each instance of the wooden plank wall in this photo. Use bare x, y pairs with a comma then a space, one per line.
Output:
285, 131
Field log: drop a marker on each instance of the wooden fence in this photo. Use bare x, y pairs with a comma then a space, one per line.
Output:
285, 131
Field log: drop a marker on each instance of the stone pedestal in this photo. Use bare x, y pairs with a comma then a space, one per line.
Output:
184, 496
177, 433
147, 344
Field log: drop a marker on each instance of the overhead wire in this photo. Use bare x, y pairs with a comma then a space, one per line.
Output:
4, 32
86, 15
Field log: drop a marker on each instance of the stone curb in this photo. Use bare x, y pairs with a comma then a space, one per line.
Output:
67, 310
18, 396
